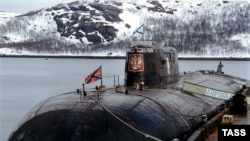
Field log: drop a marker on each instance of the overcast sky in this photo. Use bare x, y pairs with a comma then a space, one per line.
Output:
23, 6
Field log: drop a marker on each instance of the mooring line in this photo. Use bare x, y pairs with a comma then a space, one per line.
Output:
163, 106
136, 130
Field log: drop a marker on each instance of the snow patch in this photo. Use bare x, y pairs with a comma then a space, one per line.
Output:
244, 39
8, 14
5, 16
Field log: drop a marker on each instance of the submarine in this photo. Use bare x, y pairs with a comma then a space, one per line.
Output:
155, 103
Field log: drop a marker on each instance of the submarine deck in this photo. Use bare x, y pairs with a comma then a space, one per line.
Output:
165, 109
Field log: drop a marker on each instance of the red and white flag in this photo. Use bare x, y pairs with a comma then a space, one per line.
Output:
94, 76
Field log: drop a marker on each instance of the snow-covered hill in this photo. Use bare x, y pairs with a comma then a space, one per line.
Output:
4, 16
81, 27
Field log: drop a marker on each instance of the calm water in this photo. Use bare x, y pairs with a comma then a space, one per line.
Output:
24, 82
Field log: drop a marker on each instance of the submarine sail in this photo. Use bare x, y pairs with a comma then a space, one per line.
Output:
152, 65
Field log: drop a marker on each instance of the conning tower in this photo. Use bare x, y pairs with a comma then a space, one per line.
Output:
149, 64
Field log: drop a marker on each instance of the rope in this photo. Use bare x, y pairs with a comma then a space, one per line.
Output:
131, 127
45, 101
225, 76
198, 99
173, 111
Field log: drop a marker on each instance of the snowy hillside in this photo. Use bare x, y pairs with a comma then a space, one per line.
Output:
4, 16
86, 27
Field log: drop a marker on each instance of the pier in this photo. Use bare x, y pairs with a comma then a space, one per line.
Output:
209, 131
232, 115
238, 120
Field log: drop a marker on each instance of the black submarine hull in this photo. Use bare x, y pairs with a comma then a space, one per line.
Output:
90, 121
148, 114
156, 103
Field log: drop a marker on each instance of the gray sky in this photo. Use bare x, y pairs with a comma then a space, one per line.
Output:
23, 6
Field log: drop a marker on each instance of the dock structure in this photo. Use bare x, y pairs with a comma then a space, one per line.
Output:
209, 131
238, 120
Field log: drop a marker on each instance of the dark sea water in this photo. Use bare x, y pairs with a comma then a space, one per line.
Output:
24, 82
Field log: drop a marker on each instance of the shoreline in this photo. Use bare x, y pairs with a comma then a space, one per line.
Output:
120, 57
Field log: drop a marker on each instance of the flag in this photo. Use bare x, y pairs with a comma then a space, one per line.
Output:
139, 30
94, 76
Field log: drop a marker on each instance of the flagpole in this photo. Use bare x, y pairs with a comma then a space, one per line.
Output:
101, 75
